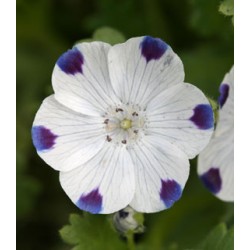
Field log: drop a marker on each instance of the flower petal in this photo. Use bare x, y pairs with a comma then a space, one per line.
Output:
65, 139
226, 101
81, 79
227, 89
183, 116
105, 184
142, 67
216, 166
161, 173
216, 162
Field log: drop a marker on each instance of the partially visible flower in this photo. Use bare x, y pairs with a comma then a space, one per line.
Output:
122, 125
216, 162
126, 220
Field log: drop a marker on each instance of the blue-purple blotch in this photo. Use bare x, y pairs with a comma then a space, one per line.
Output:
224, 91
91, 202
212, 180
43, 139
170, 192
71, 61
152, 48
203, 116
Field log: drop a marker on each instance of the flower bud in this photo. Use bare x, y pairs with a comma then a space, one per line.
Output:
128, 219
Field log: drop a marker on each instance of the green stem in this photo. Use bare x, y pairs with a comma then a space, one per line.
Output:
215, 107
130, 240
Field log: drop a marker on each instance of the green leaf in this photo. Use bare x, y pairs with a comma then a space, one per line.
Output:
227, 7
139, 217
220, 238
89, 232
106, 34
213, 239
227, 243
71, 233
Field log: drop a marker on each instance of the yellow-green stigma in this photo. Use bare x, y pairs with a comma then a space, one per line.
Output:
126, 124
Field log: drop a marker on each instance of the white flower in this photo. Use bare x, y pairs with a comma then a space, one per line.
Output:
216, 162
122, 125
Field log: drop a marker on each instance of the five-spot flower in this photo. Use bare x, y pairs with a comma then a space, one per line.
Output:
122, 125
216, 162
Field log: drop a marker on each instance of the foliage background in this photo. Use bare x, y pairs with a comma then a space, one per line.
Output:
197, 32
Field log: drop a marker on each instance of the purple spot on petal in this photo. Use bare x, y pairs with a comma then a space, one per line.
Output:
203, 116
71, 61
170, 192
152, 48
224, 91
43, 138
91, 202
212, 180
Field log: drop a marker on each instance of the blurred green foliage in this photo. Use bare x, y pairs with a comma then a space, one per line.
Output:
198, 33
227, 7
220, 238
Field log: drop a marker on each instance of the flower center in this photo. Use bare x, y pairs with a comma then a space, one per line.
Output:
126, 124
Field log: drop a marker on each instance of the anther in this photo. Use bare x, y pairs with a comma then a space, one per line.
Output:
119, 110
106, 121
136, 131
134, 114
124, 141
109, 138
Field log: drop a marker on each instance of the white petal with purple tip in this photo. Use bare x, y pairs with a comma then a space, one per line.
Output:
216, 161
183, 116
219, 154
226, 112
66, 139
104, 184
81, 79
142, 67
161, 171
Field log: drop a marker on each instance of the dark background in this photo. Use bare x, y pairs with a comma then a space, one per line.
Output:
197, 32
